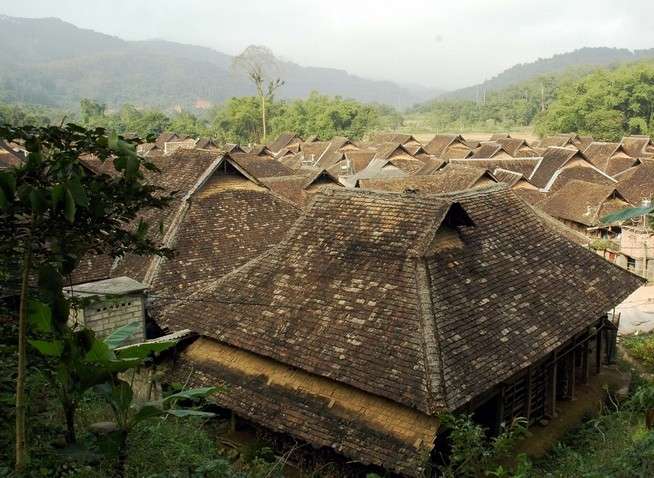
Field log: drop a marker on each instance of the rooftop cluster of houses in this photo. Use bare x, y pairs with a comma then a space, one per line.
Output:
348, 293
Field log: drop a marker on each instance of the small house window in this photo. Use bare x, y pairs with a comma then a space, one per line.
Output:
631, 263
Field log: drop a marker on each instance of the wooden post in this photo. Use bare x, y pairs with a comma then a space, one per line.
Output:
598, 351
550, 411
529, 385
585, 363
500, 410
572, 372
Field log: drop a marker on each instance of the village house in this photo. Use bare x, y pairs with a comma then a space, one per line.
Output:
560, 165
380, 311
448, 179
222, 216
636, 250
581, 205
611, 158
448, 146
638, 146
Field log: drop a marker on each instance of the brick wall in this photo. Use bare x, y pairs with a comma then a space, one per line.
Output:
106, 315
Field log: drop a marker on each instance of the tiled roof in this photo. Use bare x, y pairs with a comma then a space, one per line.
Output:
181, 171
583, 172
555, 141
259, 167
507, 177
638, 146
584, 203
283, 140
430, 166
486, 150
553, 159
440, 142
322, 299
448, 179
517, 147
229, 221
637, 183
523, 166
424, 300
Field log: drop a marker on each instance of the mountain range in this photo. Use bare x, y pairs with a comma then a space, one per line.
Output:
583, 59
51, 62
48, 61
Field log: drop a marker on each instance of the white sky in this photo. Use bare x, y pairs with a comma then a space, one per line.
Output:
447, 44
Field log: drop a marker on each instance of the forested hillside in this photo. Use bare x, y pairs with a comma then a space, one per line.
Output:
236, 121
606, 103
582, 60
51, 62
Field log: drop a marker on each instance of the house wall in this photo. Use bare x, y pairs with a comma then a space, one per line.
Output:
106, 315
534, 392
636, 244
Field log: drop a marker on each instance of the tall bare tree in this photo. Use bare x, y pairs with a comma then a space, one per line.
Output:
263, 69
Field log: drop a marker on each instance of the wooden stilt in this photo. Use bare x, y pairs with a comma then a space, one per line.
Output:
529, 388
550, 410
572, 372
598, 351
585, 363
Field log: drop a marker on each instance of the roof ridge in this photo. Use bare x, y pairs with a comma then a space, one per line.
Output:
434, 373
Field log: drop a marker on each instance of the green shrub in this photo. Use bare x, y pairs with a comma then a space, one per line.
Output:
641, 347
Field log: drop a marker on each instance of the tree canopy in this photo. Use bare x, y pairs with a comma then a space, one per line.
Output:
606, 104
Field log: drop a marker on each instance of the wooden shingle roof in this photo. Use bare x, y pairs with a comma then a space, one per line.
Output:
449, 179
637, 183
424, 300
553, 159
283, 140
523, 166
259, 167
584, 203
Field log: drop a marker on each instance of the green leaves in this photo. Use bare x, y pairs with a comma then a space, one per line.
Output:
121, 334
40, 317
191, 394
69, 206
49, 348
144, 350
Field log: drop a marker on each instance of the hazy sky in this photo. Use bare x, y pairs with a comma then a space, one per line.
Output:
448, 44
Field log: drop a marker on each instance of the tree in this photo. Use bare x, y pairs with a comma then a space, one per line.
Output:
262, 68
90, 109
54, 209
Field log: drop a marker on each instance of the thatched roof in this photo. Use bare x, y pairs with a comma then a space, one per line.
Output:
584, 203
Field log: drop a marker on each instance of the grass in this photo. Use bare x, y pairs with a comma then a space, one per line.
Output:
615, 445
641, 348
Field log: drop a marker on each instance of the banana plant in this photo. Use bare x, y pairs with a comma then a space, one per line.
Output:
82, 361
128, 413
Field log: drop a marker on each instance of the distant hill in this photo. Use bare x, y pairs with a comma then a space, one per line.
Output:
583, 59
51, 62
